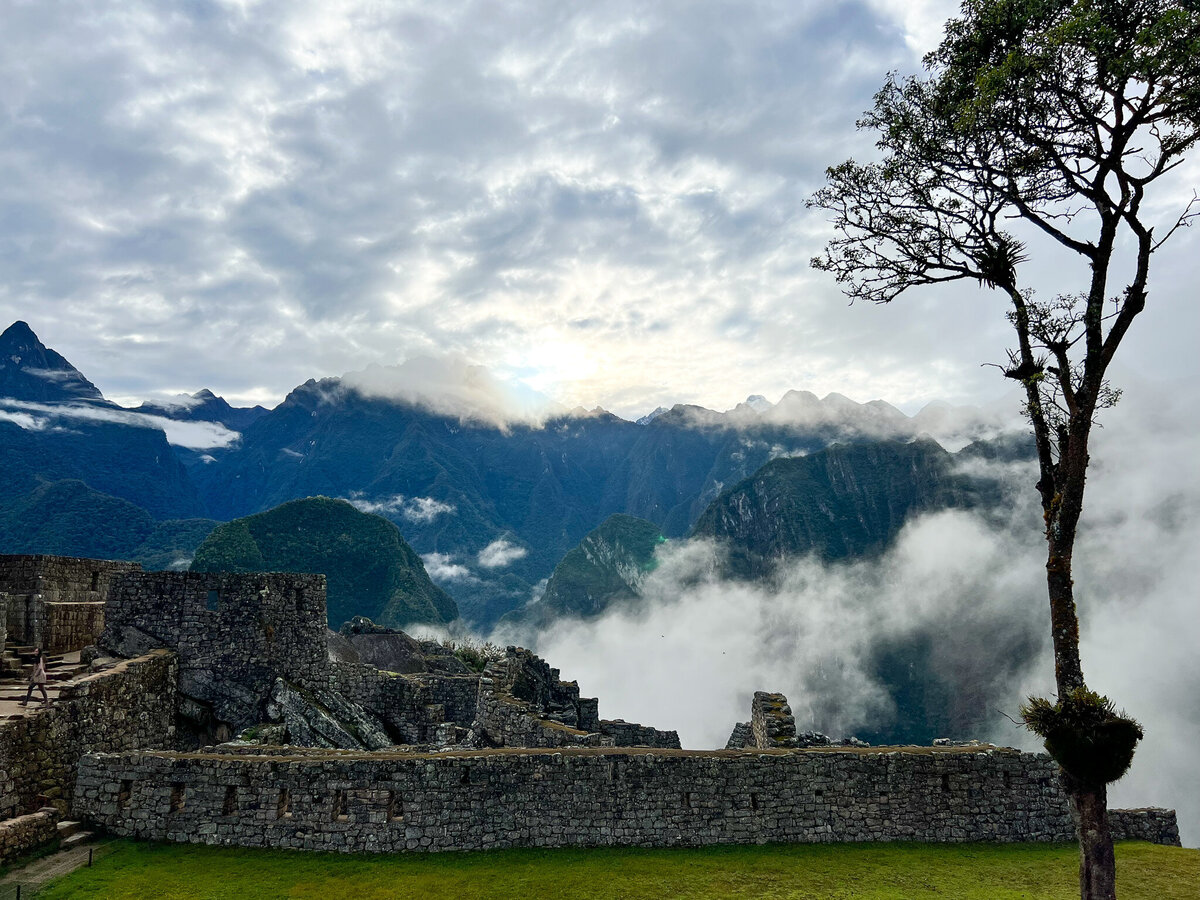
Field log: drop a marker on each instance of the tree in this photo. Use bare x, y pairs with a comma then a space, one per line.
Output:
1047, 122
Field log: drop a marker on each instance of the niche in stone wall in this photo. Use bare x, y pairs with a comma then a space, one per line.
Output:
339, 811
95, 582
229, 807
395, 811
124, 793
213, 601
283, 807
178, 796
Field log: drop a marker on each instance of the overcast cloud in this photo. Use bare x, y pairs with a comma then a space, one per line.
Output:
602, 202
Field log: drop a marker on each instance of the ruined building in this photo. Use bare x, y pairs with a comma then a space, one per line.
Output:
218, 708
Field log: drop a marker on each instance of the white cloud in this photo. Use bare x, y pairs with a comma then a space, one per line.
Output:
23, 420
441, 567
415, 509
499, 553
450, 386
692, 653
426, 509
193, 435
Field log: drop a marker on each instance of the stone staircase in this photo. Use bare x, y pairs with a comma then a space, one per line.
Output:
72, 834
16, 663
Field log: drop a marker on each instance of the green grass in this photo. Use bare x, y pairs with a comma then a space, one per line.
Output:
805, 872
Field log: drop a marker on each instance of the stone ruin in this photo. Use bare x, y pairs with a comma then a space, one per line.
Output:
219, 708
772, 727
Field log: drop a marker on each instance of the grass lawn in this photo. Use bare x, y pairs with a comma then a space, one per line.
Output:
803, 871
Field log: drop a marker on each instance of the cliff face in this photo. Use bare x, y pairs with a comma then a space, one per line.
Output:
845, 501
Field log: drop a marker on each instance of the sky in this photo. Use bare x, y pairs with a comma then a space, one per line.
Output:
602, 203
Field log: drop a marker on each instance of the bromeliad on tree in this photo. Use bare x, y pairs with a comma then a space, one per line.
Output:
1059, 117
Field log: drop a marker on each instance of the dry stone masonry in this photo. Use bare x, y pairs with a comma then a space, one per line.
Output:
128, 706
580, 797
26, 833
333, 753
56, 602
235, 635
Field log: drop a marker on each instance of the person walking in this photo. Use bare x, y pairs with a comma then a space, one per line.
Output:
37, 678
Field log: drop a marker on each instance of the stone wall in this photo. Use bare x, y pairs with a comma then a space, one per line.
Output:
631, 734
234, 634
72, 626
524, 703
128, 706
34, 582
413, 708
26, 833
1158, 826
391, 801
771, 721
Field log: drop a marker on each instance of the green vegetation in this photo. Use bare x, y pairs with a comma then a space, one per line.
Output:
846, 501
802, 871
475, 655
371, 570
607, 565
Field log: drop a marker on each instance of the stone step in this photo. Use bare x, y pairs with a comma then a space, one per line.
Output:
79, 837
68, 828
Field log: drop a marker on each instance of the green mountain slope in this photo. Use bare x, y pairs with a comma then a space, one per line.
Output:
845, 501
370, 568
608, 564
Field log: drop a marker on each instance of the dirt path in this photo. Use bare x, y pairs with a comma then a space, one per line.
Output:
32, 876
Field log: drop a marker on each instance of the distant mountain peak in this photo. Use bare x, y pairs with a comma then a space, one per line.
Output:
31, 371
758, 403
650, 417
204, 406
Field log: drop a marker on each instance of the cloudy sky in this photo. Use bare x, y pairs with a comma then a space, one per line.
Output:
602, 202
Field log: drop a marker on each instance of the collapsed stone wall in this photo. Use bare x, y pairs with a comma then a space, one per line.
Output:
235, 635
391, 801
36, 583
26, 833
416, 709
524, 703
128, 706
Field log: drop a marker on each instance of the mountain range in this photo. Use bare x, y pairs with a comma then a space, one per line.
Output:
529, 520
491, 507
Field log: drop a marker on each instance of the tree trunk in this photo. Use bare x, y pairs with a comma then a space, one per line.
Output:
1097, 865
1089, 803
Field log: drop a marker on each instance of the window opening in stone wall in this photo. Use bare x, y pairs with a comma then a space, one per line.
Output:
283, 809
687, 799
95, 582
339, 806
466, 777
178, 797
229, 808
213, 603
395, 810
754, 801
1007, 781
946, 784
819, 792
124, 793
